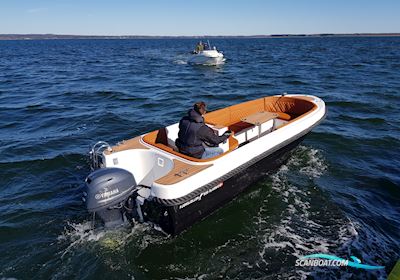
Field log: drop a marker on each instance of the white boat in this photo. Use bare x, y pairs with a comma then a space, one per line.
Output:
207, 57
146, 179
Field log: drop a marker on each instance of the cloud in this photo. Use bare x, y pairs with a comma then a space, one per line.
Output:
36, 10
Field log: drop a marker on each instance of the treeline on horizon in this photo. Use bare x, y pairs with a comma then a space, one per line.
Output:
57, 36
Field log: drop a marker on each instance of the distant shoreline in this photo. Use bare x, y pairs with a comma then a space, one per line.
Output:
83, 37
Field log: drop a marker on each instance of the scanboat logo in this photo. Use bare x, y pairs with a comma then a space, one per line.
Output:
106, 193
331, 260
199, 197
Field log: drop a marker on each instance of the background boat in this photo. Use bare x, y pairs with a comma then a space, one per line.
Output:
207, 57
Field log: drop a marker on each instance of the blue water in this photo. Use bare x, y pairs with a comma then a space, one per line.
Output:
339, 194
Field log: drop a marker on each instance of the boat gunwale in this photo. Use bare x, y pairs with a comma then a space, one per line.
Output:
233, 172
234, 147
120, 147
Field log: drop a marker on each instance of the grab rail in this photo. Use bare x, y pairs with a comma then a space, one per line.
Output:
95, 154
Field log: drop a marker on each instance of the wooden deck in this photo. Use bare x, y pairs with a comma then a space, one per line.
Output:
181, 171
133, 143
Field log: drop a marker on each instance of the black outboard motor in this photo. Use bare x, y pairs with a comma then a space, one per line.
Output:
106, 191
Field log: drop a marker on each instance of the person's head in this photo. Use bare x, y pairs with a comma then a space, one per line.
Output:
200, 107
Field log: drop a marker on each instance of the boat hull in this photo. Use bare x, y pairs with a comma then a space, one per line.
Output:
175, 219
206, 60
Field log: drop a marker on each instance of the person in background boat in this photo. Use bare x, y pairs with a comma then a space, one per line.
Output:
199, 47
193, 133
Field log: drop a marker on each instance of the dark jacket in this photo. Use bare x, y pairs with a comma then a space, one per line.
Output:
193, 132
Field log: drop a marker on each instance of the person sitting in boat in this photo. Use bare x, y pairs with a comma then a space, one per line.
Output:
193, 133
199, 47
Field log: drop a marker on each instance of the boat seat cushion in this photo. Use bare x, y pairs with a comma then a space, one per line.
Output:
287, 105
161, 137
219, 117
287, 109
157, 137
239, 126
283, 116
234, 114
240, 111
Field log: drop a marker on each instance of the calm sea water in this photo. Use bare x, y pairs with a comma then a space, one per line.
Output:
339, 193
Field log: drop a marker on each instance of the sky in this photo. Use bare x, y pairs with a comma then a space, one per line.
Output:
196, 18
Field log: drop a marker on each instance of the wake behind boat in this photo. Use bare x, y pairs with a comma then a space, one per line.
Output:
147, 179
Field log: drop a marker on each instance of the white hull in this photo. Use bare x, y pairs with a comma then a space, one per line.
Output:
208, 57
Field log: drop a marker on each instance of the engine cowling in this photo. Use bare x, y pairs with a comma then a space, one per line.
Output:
106, 191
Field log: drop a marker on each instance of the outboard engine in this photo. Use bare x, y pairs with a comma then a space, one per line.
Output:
106, 192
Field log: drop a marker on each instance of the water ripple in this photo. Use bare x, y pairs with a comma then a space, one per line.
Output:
338, 194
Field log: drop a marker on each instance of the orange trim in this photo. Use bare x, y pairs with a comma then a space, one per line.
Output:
287, 108
303, 115
233, 144
289, 105
283, 116
308, 98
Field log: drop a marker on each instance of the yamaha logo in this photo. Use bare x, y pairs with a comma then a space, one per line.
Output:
106, 194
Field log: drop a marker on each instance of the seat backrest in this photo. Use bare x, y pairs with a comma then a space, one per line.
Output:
156, 137
172, 134
161, 137
242, 110
221, 117
235, 113
288, 105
